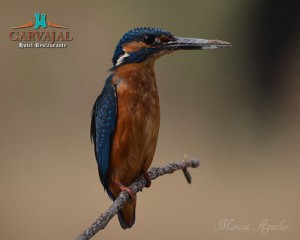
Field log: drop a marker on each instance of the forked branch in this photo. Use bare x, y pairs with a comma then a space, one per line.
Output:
137, 186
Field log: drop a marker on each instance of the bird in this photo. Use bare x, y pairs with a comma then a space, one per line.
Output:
126, 115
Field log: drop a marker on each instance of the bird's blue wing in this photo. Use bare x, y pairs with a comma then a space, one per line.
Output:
104, 115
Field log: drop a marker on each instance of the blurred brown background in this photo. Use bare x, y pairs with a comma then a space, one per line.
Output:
237, 110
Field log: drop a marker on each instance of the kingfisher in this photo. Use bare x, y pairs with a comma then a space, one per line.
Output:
126, 115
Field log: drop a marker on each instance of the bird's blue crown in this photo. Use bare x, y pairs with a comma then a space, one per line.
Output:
137, 34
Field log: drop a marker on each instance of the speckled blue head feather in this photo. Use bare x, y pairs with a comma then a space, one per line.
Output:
136, 34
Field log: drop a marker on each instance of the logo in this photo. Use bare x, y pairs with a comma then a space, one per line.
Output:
41, 34
264, 227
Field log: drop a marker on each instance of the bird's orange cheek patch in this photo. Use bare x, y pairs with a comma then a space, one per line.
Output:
134, 46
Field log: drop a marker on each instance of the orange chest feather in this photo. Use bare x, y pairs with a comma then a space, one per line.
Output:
137, 93
138, 100
138, 117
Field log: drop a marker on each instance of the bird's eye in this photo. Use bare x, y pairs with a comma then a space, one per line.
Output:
149, 39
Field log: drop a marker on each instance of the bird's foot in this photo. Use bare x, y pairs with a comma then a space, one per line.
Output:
148, 179
131, 193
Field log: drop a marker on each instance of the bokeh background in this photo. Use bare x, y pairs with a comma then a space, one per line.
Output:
237, 110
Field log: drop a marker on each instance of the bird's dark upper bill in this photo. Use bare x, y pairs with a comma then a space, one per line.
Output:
179, 43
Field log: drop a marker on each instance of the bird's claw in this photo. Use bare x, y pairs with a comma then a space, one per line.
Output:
129, 190
148, 179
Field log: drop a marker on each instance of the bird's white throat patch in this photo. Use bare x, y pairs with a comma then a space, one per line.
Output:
121, 58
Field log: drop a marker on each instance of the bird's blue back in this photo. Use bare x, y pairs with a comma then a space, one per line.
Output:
104, 115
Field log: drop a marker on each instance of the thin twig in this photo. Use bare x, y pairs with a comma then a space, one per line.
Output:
186, 172
137, 186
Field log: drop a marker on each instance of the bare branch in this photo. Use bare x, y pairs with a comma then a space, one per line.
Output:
137, 186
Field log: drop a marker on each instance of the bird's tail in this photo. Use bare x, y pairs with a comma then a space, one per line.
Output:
127, 214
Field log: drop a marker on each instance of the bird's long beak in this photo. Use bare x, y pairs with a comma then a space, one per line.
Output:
180, 43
